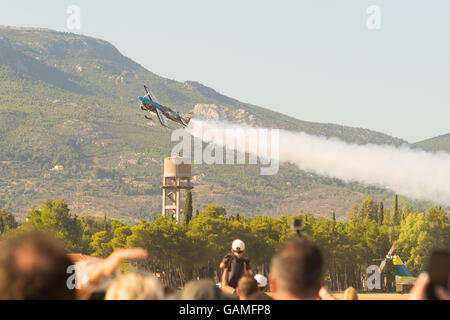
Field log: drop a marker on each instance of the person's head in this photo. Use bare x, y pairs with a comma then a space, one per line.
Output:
168, 290
296, 270
238, 247
204, 289
262, 282
260, 296
135, 286
350, 294
34, 265
247, 286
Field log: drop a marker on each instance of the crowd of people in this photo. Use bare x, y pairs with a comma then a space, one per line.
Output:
35, 265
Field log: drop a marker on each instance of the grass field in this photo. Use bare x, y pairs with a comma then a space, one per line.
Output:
376, 296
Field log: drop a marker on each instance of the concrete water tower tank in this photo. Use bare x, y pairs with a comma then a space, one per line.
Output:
176, 177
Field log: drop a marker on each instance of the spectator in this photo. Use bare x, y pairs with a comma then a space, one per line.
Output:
235, 266
419, 291
350, 294
204, 289
247, 286
296, 272
34, 265
262, 282
260, 296
135, 286
168, 290
95, 274
262, 286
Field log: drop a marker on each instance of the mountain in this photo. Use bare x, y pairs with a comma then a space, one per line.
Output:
71, 128
440, 143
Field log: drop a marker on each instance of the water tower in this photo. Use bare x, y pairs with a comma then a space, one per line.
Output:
177, 176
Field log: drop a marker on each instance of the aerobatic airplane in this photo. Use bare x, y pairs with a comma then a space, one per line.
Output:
150, 103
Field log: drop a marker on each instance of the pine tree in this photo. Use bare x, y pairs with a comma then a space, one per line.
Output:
333, 216
354, 211
188, 207
381, 213
106, 225
396, 212
368, 209
396, 203
405, 211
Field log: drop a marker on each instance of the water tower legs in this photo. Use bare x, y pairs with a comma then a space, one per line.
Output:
177, 176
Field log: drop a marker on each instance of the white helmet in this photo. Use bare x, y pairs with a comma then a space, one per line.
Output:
262, 281
238, 245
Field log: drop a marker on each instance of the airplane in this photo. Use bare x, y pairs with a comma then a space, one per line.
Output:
150, 103
403, 275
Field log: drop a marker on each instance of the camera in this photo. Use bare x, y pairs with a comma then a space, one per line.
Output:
297, 225
439, 271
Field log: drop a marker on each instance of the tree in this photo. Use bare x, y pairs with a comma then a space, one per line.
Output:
333, 218
120, 237
420, 234
368, 209
395, 213
215, 210
55, 217
7, 221
188, 207
405, 212
101, 245
381, 213
354, 211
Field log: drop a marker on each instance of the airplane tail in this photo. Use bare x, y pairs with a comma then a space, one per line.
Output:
400, 267
404, 276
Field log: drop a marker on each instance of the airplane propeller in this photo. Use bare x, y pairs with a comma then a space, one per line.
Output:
388, 256
146, 90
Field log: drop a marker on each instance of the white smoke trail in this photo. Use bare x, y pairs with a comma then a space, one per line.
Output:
410, 172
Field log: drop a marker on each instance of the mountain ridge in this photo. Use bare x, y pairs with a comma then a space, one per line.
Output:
438, 143
206, 92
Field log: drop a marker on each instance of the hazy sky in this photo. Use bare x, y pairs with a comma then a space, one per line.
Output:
315, 60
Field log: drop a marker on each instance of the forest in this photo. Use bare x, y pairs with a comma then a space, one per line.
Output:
194, 248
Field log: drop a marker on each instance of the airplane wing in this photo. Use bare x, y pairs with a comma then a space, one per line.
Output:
151, 95
147, 93
162, 118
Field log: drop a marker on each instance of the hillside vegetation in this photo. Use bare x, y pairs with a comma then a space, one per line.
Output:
440, 143
70, 100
